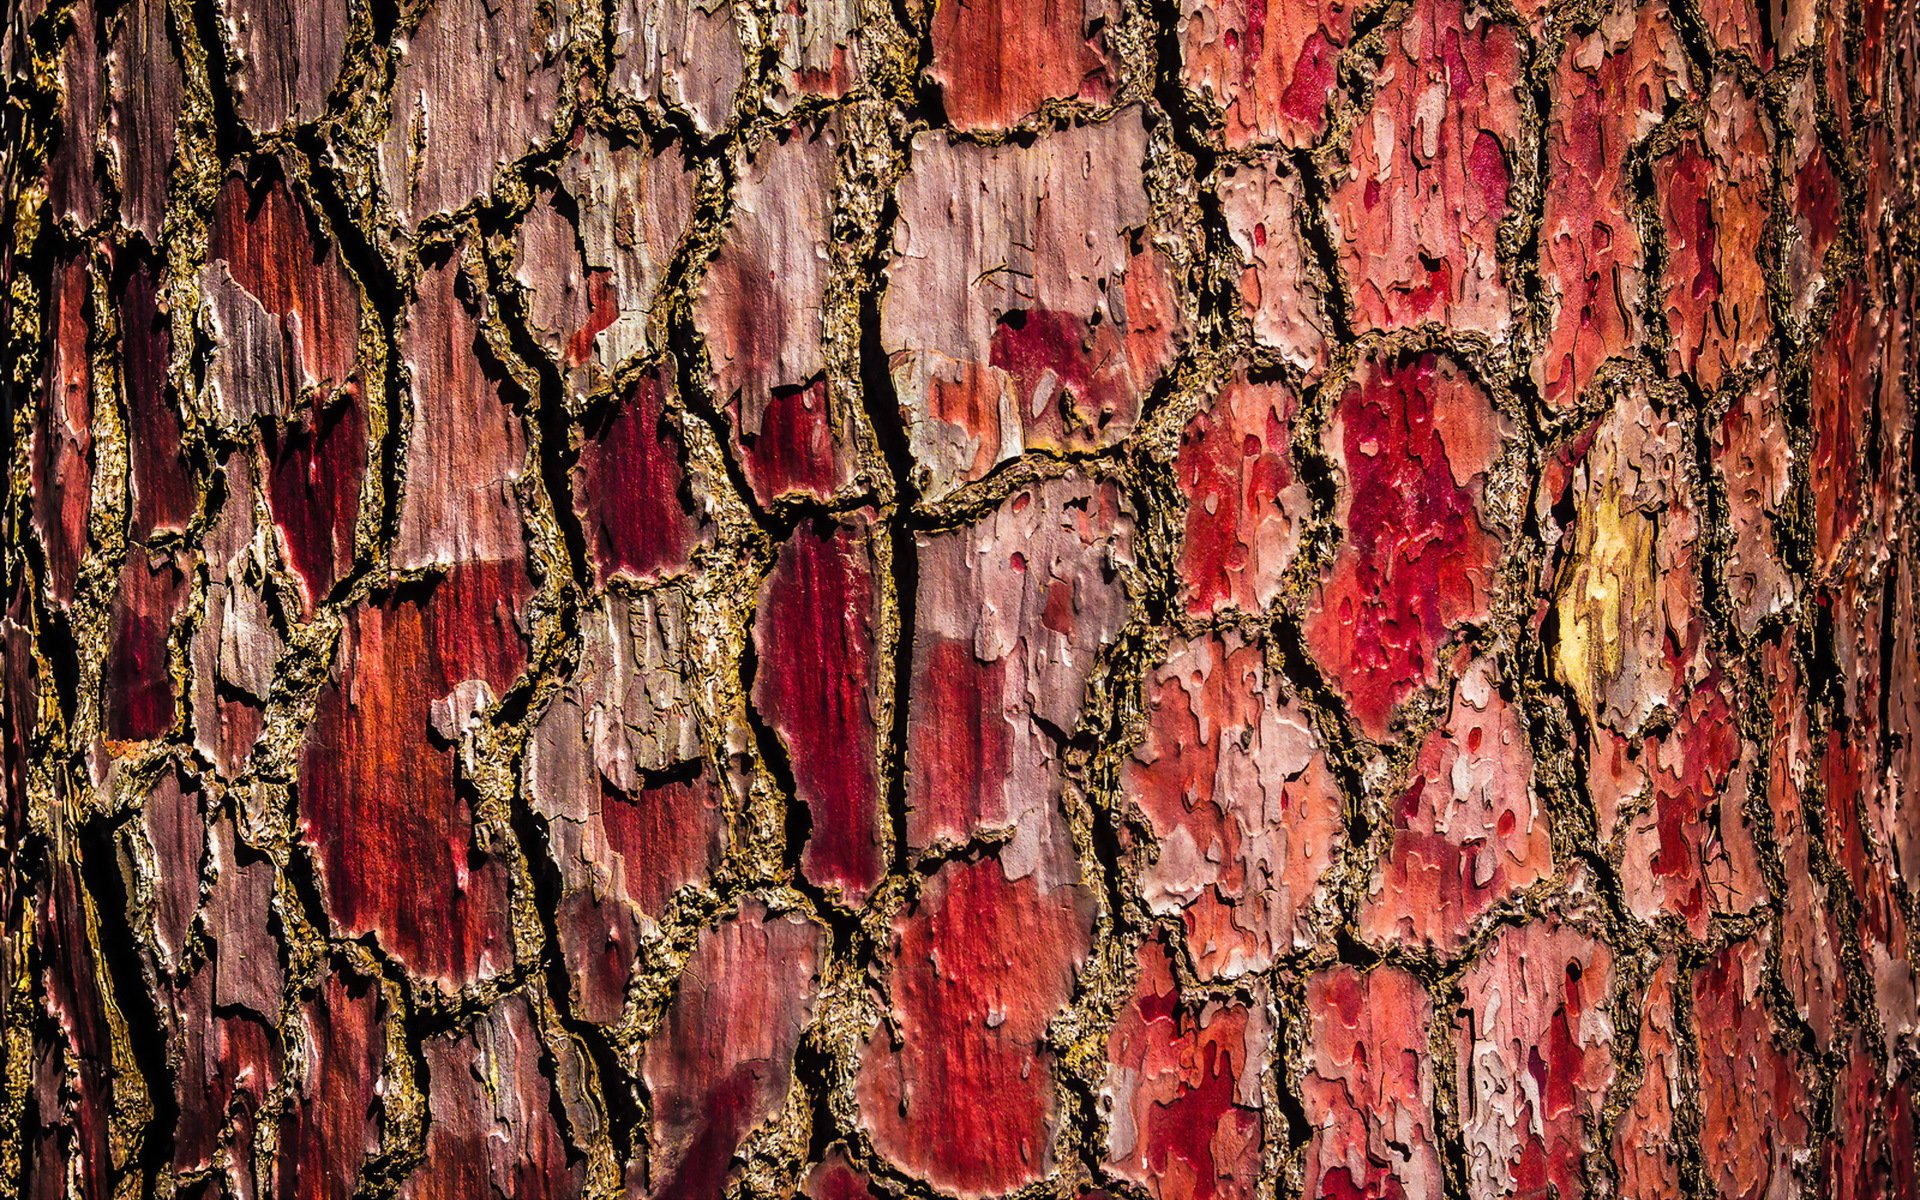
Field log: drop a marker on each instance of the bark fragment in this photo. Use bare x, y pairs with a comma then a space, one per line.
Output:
479, 85
1713, 192
1236, 787
762, 309
1368, 1088
1182, 1092
1416, 214
817, 643
1026, 308
980, 964
723, 1063
1271, 72
1414, 439
1245, 504
1535, 1044
997, 62
1469, 830
1009, 617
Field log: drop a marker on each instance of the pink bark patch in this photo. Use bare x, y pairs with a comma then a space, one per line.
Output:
1469, 830
1536, 1045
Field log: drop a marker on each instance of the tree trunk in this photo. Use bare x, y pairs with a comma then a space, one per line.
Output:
1172, 601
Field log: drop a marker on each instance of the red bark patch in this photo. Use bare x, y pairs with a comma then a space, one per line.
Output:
63, 432
834, 1178
1644, 1148
466, 448
1752, 456
1612, 88
1415, 439
288, 55
229, 1063
1235, 784
998, 60
171, 819
631, 491
316, 463
723, 1062
761, 309
1416, 216
980, 965
1871, 1154
331, 1127
269, 246
144, 103
815, 637
273, 246
161, 483
1809, 935
1244, 502
377, 776
1713, 191
1754, 1105
1182, 1092
73, 1056
1270, 68
1845, 381
138, 677
1690, 854
1367, 1091
1011, 613
592, 253
490, 1124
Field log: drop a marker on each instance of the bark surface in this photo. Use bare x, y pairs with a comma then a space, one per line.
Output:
1157, 599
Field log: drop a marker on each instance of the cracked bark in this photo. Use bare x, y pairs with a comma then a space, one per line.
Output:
855, 599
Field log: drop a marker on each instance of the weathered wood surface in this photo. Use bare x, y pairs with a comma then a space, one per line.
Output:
1161, 601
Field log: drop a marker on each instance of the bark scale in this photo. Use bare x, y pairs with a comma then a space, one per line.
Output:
1160, 600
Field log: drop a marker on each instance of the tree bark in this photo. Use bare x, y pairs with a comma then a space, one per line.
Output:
1172, 601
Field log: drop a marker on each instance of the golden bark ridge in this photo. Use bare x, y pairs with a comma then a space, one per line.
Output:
1154, 599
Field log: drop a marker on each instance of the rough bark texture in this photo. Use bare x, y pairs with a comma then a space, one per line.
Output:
1143, 599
